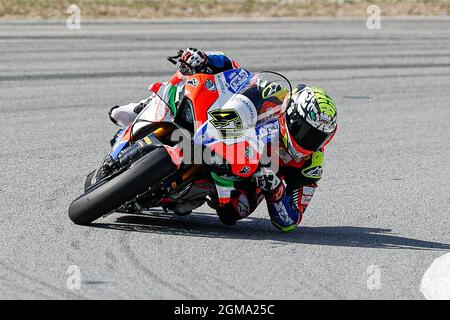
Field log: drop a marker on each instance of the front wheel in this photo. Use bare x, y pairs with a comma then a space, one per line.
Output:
114, 193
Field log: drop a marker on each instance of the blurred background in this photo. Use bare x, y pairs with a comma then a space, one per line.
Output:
51, 9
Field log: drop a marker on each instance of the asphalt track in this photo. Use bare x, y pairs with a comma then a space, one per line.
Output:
381, 209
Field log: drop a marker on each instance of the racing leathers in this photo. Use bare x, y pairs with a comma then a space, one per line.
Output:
287, 192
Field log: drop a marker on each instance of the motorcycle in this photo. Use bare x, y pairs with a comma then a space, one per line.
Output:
192, 143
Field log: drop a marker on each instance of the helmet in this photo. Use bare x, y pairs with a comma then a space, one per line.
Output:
309, 122
192, 60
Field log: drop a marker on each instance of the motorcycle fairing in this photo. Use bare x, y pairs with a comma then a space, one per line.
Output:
202, 91
122, 141
232, 126
160, 108
226, 121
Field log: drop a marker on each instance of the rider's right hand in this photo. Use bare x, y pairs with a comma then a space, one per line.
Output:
270, 184
266, 179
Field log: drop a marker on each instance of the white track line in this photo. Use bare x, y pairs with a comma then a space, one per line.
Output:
436, 280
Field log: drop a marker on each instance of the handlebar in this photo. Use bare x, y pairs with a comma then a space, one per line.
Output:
177, 59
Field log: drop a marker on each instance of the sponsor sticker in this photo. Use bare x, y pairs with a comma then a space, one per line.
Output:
219, 81
249, 152
210, 85
284, 155
308, 191
236, 79
227, 122
192, 82
244, 170
306, 199
243, 206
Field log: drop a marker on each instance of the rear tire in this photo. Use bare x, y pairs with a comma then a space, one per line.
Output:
114, 193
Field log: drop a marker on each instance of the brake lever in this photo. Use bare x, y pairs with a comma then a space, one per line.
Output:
174, 59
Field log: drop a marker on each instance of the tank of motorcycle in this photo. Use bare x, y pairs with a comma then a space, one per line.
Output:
243, 118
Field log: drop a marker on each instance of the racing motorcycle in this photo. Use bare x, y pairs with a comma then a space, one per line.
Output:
150, 166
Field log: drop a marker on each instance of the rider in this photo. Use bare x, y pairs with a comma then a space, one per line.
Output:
308, 124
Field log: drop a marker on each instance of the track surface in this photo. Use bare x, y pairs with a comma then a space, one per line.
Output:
384, 200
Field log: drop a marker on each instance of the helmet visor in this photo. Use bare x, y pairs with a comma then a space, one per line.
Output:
306, 136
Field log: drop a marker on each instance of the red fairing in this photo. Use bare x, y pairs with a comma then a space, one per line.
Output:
235, 155
235, 64
154, 87
176, 154
201, 97
176, 78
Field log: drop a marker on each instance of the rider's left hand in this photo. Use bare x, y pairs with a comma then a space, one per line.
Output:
271, 185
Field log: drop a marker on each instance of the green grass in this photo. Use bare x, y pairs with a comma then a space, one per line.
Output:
45, 9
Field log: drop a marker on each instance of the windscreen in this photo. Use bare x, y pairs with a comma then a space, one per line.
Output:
269, 92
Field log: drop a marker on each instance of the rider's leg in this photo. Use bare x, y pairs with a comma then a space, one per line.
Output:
124, 115
241, 205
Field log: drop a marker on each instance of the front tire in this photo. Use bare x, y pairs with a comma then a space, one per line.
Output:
114, 193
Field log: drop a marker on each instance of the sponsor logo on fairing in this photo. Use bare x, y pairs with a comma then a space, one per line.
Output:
219, 81
249, 152
227, 122
236, 79
192, 82
210, 85
244, 170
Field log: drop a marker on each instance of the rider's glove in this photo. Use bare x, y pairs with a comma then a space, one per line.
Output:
272, 186
192, 60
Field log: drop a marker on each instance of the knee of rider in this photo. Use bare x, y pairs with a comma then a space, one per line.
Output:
124, 115
242, 204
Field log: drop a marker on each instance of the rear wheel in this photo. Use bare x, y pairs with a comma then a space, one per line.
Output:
114, 193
